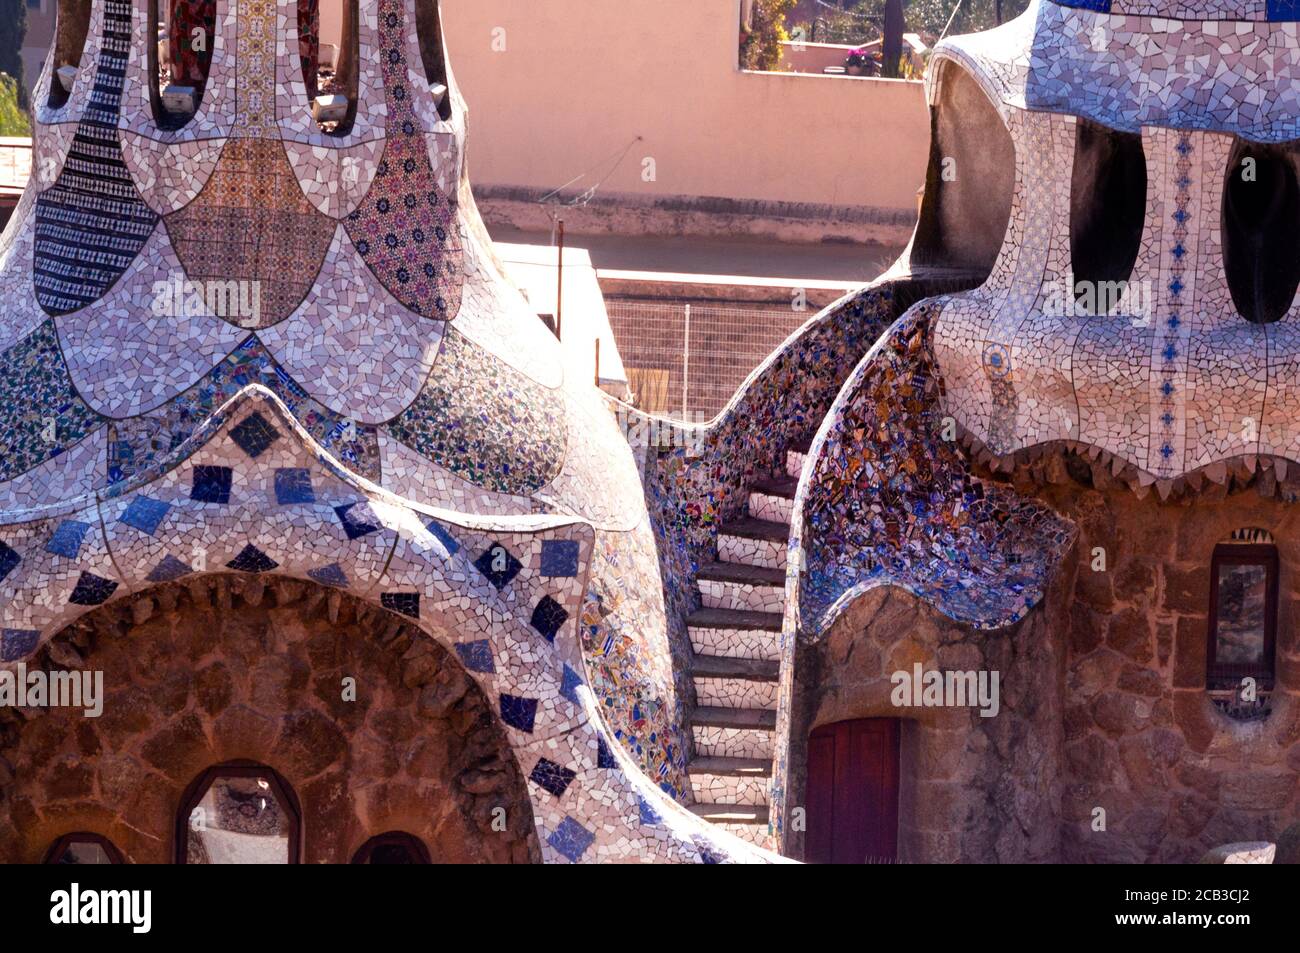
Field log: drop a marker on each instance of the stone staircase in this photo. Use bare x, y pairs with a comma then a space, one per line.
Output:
735, 638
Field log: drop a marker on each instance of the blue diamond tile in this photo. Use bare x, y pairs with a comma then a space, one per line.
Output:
407, 603
1281, 10
707, 854
67, 539
211, 484
92, 590
17, 644
498, 565
331, 575
358, 519
560, 557
548, 617
552, 777
9, 558
648, 814
169, 570
448, 541
571, 839
604, 757
145, 514
476, 656
569, 683
518, 712
293, 485
254, 434
252, 559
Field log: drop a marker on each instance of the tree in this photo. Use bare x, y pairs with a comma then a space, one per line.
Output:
760, 45
13, 118
13, 14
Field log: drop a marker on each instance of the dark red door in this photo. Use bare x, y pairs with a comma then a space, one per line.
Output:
853, 792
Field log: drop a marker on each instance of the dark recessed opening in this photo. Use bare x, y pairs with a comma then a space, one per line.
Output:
1108, 203
329, 49
969, 182
180, 60
1261, 210
72, 23
428, 27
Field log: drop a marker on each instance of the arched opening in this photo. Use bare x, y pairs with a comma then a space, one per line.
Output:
1108, 201
433, 53
180, 60
969, 182
392, 847
221, 693
1261, 209
72, 23
83, 848
238, 813
329, 51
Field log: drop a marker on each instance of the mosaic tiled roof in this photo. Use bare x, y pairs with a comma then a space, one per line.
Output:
249, 345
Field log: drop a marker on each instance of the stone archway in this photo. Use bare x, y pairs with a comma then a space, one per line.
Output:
224, 668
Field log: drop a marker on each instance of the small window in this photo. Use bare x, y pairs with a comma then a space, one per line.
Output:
1243, 616
83, 848
394, 847
72, 23
239, 813
181, 59
329, 36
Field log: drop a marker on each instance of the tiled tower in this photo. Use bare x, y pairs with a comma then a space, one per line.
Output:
254, 330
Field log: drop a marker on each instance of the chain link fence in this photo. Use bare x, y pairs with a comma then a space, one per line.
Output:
687, 360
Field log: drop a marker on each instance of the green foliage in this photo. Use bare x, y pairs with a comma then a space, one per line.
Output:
13, 118
760, 47
859, 21
13, 29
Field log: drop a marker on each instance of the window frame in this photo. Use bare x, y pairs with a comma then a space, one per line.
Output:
64, 841
237, 769
1220, 676
366, 850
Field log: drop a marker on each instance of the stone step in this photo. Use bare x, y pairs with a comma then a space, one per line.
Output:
731, 813
722, 682
735, 718
710, 788
795, 455
755, 834
716, 742
732, 767
737, 586
721, 666
733, 732
735, 693
773, 499
735, 633
753, 542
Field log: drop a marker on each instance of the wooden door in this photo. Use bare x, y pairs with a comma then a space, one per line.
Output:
852, 793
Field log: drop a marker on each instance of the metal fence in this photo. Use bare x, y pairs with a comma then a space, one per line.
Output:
686, 360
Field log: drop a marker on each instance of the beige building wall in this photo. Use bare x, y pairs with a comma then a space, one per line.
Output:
559, 87
37, 40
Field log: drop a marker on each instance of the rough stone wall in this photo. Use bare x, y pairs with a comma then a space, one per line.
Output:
1142, 739
223, 668
971, 789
